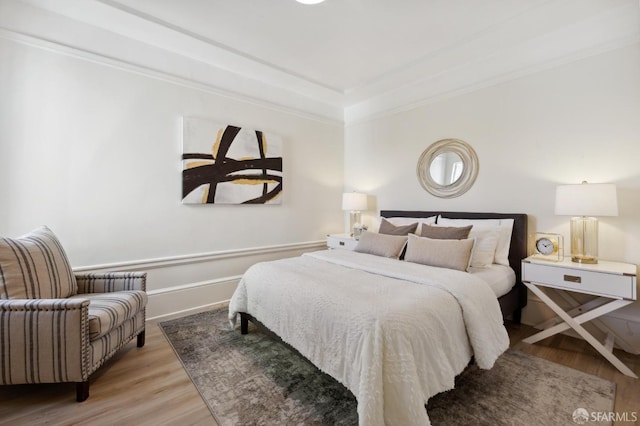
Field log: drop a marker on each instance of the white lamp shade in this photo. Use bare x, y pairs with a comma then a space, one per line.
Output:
587, 199
354, 201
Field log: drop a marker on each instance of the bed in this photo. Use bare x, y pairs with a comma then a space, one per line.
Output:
393, 332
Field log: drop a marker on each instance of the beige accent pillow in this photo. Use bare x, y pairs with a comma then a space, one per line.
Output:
381, 244
35, 266
389, 228
445, 232
451, 254
404, 221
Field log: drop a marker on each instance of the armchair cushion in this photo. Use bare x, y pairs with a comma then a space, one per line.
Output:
35, 266
107, 311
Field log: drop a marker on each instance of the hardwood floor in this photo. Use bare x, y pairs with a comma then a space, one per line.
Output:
138, 386
148, 386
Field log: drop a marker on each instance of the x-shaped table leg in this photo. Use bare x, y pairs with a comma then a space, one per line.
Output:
574, 323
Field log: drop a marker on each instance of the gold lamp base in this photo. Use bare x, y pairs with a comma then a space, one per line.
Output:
582, 259
584, 240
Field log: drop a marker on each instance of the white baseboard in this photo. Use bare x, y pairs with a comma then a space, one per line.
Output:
190, 311
188, 299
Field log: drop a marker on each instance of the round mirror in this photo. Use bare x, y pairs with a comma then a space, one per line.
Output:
448, 168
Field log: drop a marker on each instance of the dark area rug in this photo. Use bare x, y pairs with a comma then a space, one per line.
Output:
257, 380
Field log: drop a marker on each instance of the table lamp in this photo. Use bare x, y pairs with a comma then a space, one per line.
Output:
354, 202
585, 201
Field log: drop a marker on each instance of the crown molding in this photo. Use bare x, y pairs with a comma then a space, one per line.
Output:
35, 27
333, 117
111, 34
221, 48
411, 97
127, 22
477, 63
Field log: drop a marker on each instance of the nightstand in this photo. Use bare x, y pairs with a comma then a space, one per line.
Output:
614, 283
341, 241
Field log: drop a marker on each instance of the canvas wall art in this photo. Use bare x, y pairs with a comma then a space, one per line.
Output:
226, 164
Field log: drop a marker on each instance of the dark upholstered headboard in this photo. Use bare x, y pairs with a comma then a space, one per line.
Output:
519, 246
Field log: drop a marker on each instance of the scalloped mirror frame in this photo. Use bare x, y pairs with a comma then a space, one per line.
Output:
466, 179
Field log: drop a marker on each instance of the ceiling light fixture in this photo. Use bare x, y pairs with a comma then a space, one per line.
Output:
309, 1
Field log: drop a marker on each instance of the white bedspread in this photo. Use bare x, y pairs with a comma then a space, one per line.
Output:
394, 333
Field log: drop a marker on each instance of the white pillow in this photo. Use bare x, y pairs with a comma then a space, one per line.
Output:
504, 227
400, 221
484, 250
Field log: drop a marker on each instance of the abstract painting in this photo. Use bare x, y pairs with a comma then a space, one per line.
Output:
225, 164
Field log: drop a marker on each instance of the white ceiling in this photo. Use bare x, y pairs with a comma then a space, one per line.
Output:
339, 44
366, 57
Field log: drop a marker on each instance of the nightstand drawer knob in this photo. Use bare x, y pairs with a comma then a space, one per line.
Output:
573, 279
341, 243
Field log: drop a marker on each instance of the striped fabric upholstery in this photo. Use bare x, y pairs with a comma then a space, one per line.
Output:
67, 339
35, 266
44, 341
103, 348
111, 281
107, 311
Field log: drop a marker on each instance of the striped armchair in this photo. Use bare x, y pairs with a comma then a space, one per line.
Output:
56, 326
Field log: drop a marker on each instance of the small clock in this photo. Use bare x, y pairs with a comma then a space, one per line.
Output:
549, 246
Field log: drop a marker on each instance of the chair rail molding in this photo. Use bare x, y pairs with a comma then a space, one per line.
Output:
184, 284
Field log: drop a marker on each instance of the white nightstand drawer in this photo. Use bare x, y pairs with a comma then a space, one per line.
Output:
583, 281
341, 241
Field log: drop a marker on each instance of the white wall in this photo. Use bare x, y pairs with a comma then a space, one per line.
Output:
573, 123
93, 152
580, 121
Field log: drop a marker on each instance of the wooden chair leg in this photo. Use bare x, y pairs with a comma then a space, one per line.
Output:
82, 391
141, 339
